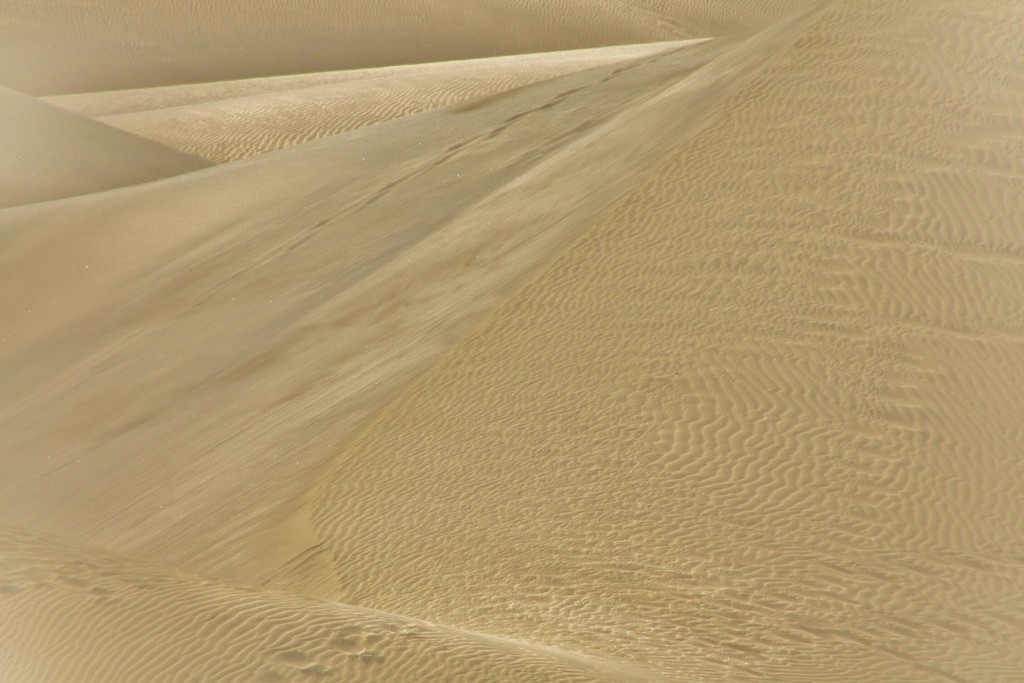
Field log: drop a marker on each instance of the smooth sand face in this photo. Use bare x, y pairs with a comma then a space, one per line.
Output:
50, 153
696, 362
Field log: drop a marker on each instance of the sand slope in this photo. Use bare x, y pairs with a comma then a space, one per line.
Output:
702, 364
229, 128
551, 64
49, 153
763, 422
196, 349
66, 46
105, 618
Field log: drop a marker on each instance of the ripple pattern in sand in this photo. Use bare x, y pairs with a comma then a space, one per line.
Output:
68, 613
764, 421
75, 46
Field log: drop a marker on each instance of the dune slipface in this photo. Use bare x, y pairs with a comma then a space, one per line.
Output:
657, 361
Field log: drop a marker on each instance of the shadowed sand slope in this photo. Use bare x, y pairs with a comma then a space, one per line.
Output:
107, 619
230, 128
197, 349
63, 46
763, 422
48, 153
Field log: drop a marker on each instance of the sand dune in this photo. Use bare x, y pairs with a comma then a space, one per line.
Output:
225, 129
689, 362
268, 307
105, 618
65, 46
766, 416
48, 153
551, 64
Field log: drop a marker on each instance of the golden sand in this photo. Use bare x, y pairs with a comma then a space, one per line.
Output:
670, 361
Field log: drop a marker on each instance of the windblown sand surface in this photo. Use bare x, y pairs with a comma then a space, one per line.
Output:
668, 361
272, 113
64, 46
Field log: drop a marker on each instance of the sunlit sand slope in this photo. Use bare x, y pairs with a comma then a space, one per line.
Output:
48, 153
226, 129
763, 422
104, 619
181, 358
63, 46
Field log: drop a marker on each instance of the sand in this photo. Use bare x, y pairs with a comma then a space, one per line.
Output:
314, 257
545, 64
50, 153
677, 362
274, 113
75, 46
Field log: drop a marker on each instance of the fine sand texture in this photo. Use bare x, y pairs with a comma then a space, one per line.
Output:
692, 356
299, 110
50, 153
108, 618
764, 420
548, 64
